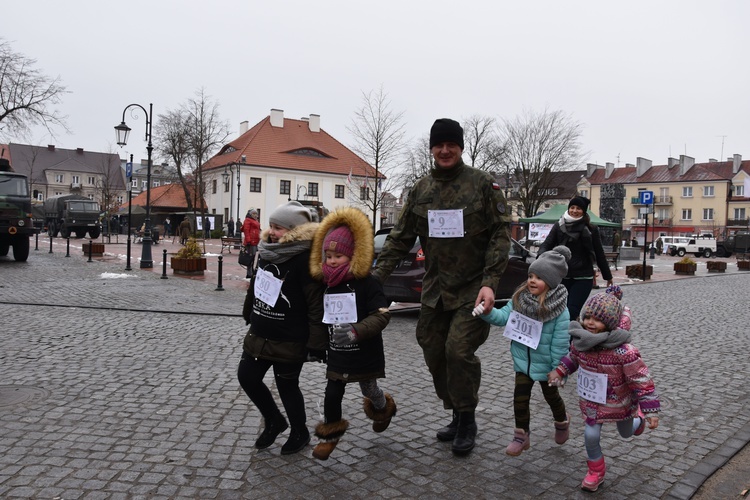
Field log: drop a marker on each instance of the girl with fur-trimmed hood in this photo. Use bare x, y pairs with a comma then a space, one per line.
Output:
284, 309
356, 312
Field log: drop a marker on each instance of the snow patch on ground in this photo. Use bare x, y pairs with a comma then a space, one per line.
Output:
116, 276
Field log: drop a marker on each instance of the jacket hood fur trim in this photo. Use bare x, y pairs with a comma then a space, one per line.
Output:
305, 232
364, 245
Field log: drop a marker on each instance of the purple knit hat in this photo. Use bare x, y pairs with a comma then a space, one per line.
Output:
605, 307
340, 240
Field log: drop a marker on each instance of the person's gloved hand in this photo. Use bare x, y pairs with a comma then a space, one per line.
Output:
344, 334
316, 356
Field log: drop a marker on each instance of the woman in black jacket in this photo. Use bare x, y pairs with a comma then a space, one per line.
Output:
575, 231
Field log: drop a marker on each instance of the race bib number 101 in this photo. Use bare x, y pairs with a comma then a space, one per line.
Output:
523, 329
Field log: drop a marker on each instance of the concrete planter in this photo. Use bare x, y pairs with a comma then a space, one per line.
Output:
191, 267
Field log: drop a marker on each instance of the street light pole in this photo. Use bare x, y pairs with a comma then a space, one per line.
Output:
122, 131
130, 207
238, 199
225, 175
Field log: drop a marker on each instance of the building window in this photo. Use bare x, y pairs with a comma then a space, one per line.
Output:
584, 193
255, 184
687, 214
120, 199
91, 197
76, 179
708, 214
92, 180
285, 187
226, 188
156, 185
59, 178
339, 191
40, 196
134, 183
364, 193
708, 191
58, 193
739, 213
687, 192
663, 215
213, 186
144, 184
312, 189
739, 190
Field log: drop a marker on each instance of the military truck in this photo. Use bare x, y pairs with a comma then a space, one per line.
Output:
735, 243
71, 213
15, 213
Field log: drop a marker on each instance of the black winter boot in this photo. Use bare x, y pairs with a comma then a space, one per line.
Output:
274, 426
465, 433
448, 433
298, 439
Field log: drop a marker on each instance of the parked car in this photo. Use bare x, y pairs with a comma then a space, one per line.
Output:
405, 283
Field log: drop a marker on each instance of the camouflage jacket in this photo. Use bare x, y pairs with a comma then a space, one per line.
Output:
456, 268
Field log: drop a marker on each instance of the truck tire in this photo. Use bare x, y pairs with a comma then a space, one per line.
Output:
721, 252
94, 233
21, 249
4, 247
80, 233
680, 252
707, 253
64, 231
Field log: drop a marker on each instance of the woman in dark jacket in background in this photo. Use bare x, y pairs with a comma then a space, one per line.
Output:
575, 231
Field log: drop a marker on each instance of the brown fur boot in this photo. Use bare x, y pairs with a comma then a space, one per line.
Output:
381, 418
329, 435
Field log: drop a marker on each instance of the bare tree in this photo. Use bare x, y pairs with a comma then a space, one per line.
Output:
534, 146
171, 140
27, 97
109, 183
417, 162
481, 143
379, 139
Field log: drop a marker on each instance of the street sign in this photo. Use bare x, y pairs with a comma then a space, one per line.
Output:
646, 197
129, 169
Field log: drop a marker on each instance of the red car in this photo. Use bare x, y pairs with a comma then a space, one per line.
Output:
405, 283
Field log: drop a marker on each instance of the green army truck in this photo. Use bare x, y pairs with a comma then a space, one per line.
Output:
72, 213
15, 213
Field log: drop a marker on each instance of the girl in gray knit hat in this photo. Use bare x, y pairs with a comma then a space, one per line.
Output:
536, 320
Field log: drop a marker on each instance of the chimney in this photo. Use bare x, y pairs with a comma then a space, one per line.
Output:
314, 123
736, 164
277, 118
608, 169
243, 127
79, 151
629, 165
686, 163
591, 168
712, 160
641, 166
50, 147
243, 158
671, 162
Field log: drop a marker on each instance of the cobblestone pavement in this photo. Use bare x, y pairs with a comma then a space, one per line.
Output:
123, 385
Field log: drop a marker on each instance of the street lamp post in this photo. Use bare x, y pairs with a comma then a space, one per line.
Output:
122, 131
227, 172
130, 213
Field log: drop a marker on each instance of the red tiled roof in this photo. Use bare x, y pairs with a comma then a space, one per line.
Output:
268, 146
714, 171
169, 196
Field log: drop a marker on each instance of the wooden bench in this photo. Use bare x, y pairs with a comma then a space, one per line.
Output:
229, 242
613, 257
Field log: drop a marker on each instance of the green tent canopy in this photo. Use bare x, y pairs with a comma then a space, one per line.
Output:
553, 215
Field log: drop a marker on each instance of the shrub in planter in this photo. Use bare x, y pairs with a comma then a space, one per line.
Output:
685, 265
635, 271
189, 259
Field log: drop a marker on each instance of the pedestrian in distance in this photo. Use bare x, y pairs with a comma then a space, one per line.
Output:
575, 231
355, 312
616, 241
185, 229
284, 308
460, 216
614, 384
537, 320
167, 227
207, 228
230, 228
251, 237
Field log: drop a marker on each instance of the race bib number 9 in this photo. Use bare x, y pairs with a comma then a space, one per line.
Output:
523, 329
592, 386
339, 308
267, 287
445, 223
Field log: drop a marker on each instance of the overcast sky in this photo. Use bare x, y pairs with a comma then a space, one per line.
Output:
644, 78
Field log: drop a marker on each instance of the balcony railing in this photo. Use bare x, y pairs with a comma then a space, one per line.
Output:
738, 222
662, 200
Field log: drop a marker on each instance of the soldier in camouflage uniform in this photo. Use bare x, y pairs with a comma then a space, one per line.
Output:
459, 215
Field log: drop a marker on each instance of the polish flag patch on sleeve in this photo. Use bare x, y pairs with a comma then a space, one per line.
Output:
496, 186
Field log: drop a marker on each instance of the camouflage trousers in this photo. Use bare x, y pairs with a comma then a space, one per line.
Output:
449, 340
